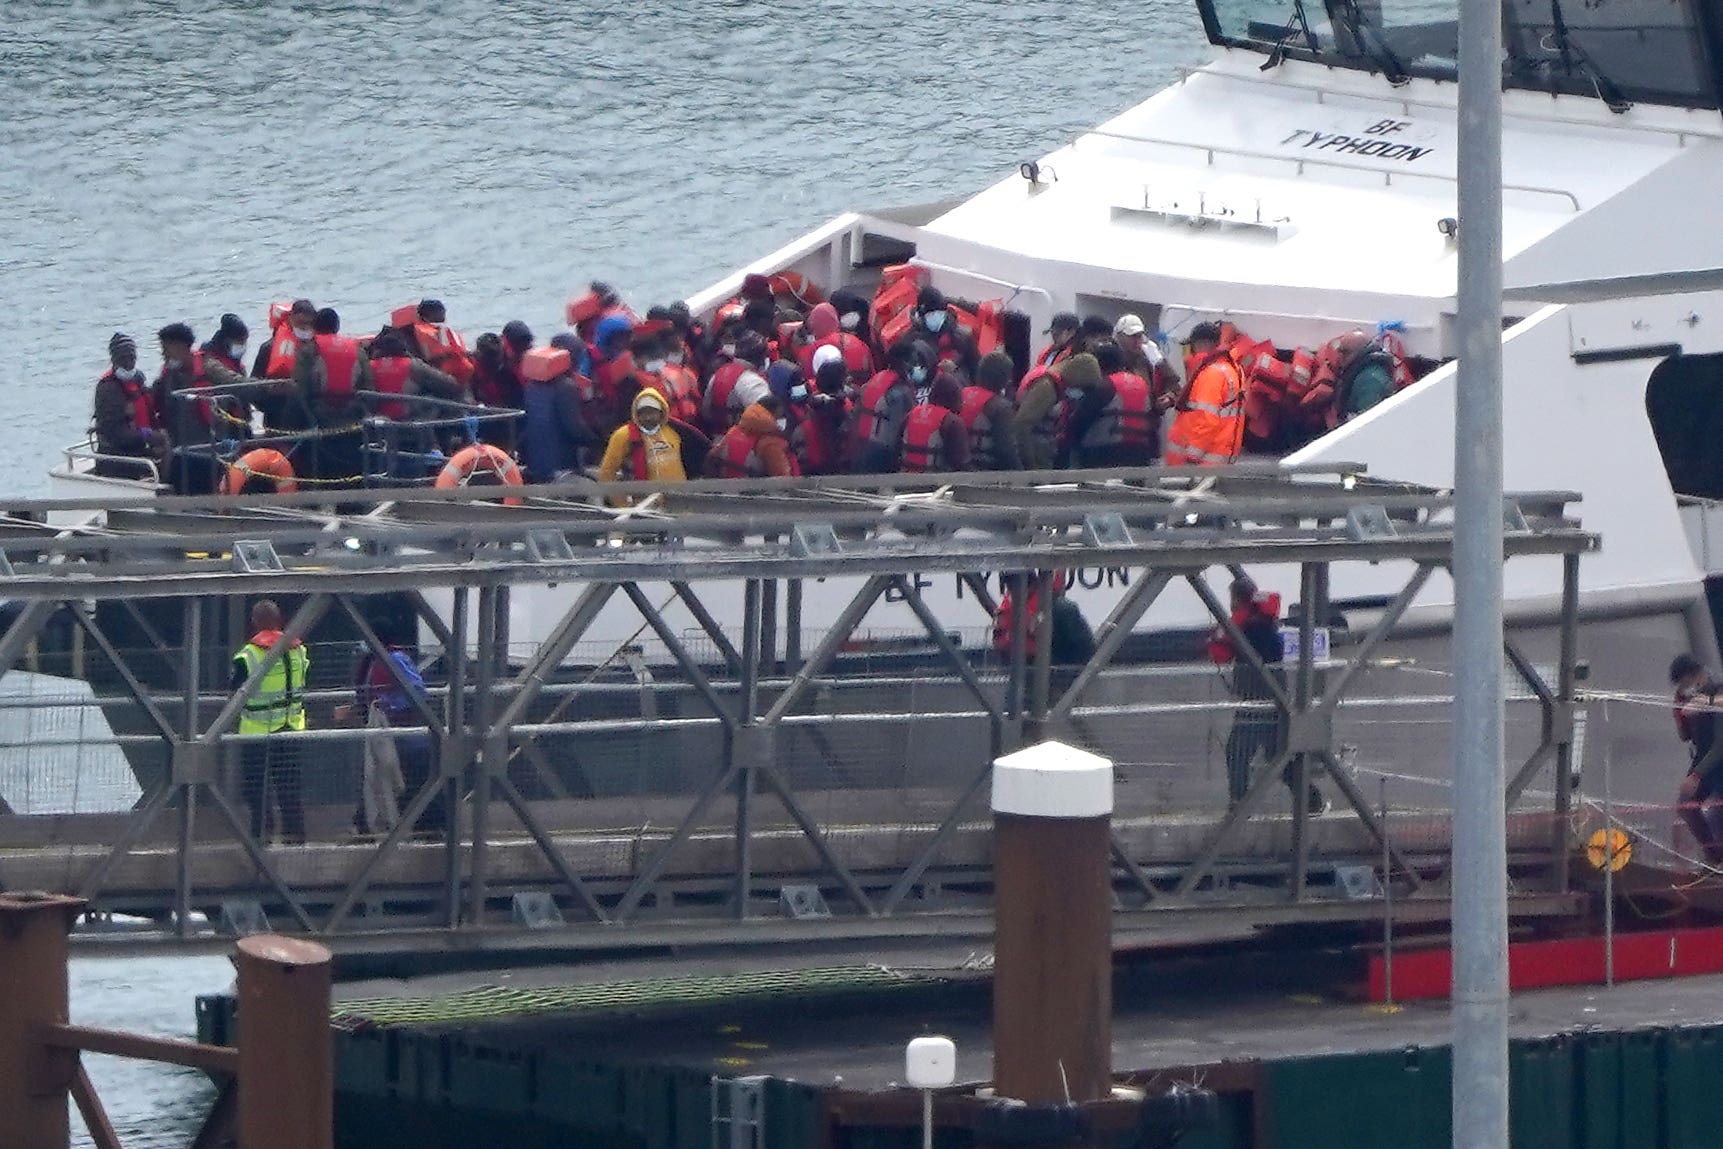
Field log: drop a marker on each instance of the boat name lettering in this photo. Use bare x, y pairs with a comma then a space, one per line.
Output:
1377, 141
1088, 578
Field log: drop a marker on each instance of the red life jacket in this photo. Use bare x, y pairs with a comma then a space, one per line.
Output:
142, 399
858, 360
819, 444
340, 355
283, 350
1129, 419
1002, 624
390, 375
443, 348
1052, 424
924, 439
872, 397
982, 432
736, 458
638, 469
717, 402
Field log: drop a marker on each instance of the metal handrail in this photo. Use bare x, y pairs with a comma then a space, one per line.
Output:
1214, 150
87, 450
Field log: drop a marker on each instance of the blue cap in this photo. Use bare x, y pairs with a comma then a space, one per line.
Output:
611, 328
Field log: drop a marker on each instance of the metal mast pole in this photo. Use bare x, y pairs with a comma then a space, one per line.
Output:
1480, 908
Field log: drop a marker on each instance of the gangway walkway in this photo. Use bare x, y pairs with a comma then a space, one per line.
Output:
725, 701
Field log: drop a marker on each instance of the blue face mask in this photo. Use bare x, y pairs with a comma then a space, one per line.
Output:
935, 320
799, 391
918, 375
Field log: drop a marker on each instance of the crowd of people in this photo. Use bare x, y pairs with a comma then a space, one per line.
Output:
779, 383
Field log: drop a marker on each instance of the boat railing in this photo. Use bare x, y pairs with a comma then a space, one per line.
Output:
83, 458
1300, 162
372, 449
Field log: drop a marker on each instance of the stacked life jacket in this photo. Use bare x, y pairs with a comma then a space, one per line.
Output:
926, 440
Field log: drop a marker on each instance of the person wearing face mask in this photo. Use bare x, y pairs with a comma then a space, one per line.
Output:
220, 363
746, 356
934, 438
1062, 336
934, 325
1209, 427
885, 403
430, 338
652, 447
330, 371
1040, 421
192, 469
284, 406
825, 330
126, 421
755, 447
820, 439
853, 309
665, 362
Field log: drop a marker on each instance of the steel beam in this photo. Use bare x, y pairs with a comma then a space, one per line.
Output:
726, 648
834, 639
138, 691
1117, 627
193, 626
1566, 688
1241, 646
378, 647
493, 751
549, 656
1236, 817
1373, 641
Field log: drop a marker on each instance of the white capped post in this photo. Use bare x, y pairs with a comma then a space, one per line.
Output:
1053, 921
929, 1063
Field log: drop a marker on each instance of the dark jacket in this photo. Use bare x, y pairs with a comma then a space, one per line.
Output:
117, 429
555, 435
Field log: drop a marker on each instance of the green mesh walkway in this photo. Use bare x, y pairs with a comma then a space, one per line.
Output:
482, 1003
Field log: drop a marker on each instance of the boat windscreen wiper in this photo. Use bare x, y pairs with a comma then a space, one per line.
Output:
1573, 54
1346, 14
1298, 21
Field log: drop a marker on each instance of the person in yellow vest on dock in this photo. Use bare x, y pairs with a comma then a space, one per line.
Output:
270, 768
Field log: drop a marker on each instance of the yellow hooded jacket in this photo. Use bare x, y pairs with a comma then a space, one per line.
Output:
632, 454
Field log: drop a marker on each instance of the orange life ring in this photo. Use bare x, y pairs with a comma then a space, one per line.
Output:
795, 285
480, 459
263, 463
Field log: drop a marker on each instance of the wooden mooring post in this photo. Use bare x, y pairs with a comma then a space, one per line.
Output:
286, 1052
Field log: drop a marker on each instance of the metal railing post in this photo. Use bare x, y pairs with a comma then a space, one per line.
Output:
286, 1048
34, 1085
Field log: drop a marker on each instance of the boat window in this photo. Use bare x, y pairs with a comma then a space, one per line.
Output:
1619, 51
1684, 401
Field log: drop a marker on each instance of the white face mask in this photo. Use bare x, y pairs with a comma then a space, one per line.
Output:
850, 320
238, 350
728, 349
783, 424
170, 362
654, 365
302, 333
129, 374
676, 357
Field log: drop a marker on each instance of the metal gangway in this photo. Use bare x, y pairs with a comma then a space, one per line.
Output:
716, 710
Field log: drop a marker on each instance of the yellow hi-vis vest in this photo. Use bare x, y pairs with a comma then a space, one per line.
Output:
279, 703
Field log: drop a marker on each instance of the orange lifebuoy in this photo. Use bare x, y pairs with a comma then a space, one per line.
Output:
263, 463
795, 285
481, 459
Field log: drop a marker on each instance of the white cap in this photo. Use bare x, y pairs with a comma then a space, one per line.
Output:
1053, 780
1128, 325
830, 353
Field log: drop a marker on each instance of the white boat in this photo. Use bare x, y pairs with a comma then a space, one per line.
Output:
1303, 184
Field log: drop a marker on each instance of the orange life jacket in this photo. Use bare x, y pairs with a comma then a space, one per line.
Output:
340, 355
894, 303
283, 350
980, 426
142, 399
390, 375
1002, 623
736, 456
681, 388
442, 347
